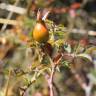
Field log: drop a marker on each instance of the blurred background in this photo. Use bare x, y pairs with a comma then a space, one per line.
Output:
19, 55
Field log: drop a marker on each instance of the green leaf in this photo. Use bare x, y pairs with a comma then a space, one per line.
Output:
59, 42
41, 71
90, 50
65, 63
85, 56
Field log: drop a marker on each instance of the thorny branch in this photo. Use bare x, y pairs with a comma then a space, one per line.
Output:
50, 77
30, 83
51, 81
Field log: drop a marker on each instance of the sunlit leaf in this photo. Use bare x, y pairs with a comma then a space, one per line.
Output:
85, 56
59, 42
90, 50
41, 71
